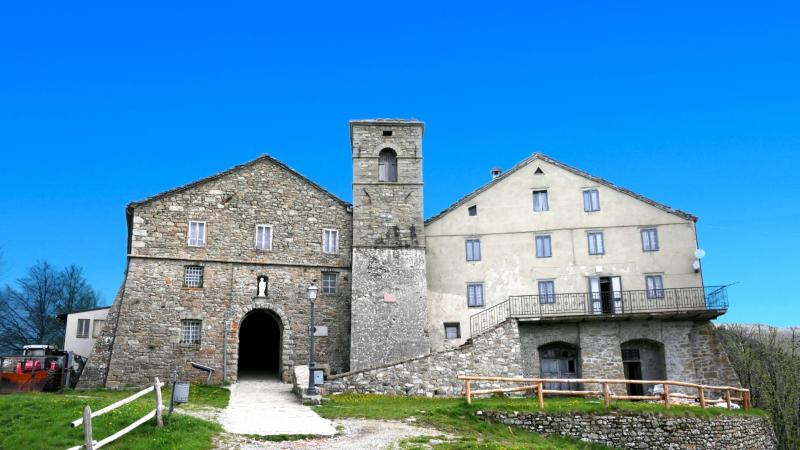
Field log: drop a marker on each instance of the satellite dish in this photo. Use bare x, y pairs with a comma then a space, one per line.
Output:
696, 264
699, 253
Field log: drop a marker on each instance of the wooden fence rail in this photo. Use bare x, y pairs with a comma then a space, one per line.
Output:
537, 385
88, 415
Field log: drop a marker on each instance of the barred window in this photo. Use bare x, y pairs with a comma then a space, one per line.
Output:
263, 237
329, 283
197, 233
83, 328
190, 331
193, 277
330, 240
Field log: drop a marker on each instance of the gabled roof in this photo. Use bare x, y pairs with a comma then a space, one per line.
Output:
542, 157
219, 175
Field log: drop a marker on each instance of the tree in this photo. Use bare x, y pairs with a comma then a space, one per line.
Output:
28, 310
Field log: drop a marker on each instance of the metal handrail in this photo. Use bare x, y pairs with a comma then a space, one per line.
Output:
708, 298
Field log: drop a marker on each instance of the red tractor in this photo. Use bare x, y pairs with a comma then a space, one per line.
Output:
40, 368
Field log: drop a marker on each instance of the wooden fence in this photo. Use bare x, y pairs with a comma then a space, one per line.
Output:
88, 415
536, 385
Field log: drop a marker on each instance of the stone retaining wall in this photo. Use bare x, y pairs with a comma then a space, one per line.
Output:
496, 351
648, 431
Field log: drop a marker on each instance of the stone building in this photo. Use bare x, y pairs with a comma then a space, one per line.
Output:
218, 270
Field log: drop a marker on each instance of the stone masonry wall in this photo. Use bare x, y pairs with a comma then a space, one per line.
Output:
648, 431
146, 341
710, 359
493, 353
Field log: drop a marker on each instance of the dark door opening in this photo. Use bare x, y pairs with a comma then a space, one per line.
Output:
606, 295
633, 371
260, 345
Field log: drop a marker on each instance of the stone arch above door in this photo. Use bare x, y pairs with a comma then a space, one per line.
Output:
237, 313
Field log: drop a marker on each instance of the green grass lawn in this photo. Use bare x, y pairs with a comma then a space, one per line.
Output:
41, 420
455, 417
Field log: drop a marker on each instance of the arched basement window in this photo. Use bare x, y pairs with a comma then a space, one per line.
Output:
387, 165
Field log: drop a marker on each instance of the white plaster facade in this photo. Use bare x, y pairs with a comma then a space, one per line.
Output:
82, 343
506, 225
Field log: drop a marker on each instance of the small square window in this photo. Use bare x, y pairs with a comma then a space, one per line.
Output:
193, 277
543, 247
472, 210
387, 132
591, 200
596, 244
190, 331
330, 241
473, 249
655, 286
197, 234
540, 201
452, 330
264, 237
547, 291
649, 239
474, 294
83, 328
329, 283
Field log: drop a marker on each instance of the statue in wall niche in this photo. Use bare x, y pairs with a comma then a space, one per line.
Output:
262, 286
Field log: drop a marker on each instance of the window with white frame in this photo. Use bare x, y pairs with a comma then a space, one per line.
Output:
547, 291
474, 294
263, 237
543, 247
330, 241
591, 200
97, 327
191, 331
83, 328
193, 277
649, 239
540, 202
473, 247
596, 244
329, 283
655, 286
452, 330
197, 233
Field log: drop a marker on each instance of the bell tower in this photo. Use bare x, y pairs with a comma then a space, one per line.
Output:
389, 306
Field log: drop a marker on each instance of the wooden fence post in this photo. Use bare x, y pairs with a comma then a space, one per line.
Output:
468, 390
728, 397
666, 396
157, 388
702, 397
606, 399
746, 399
87, 428
540, 393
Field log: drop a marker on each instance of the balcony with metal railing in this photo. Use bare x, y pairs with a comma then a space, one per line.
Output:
690, 302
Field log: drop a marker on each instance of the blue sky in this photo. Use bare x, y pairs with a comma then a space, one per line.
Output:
694, 105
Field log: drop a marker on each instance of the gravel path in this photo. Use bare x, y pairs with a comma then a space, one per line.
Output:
356, 434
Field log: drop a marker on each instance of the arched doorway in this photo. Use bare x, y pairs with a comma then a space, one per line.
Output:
559, 360
260, 345
643, 359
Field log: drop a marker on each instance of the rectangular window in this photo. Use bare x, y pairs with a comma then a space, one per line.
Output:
474, 294
263, 237
452, 330
98, 327
330, 241
193, 277
197, 233
547, 291
328, 283
190, 331
591, 200
596, 245
650, 239
472, 210
540, 202
83, 328
543, 247
473, 249
655, 286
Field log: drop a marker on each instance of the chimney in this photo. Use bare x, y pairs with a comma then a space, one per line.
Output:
496, 172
